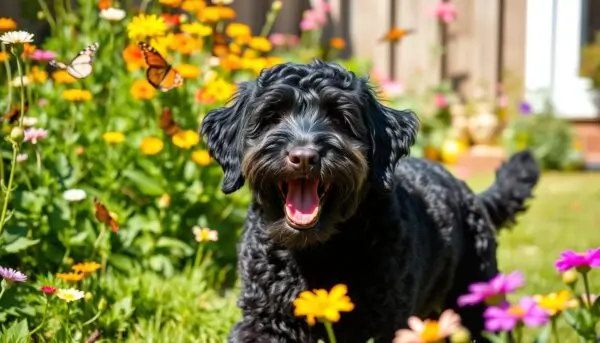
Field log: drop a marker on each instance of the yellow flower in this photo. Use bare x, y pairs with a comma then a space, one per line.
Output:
133, 57
151, 145
260, 44
86, 268
61, 76
142, 90
146, 26
205, 234
69, 295
220, 89
216, 13
251, 54
230, 62
38, 75
186, 139
193, 6
76, 95
4, 56
162, 43
235, 30
113, 137
70, 277
7, 24
202, 157
188, 71
322, 305
172, 3
185, 44
254, 64
554, 302
197, 29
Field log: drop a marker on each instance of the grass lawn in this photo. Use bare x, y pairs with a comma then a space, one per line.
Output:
565, 214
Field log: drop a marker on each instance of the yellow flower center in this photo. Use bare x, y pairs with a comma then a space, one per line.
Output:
516, 311
431, 331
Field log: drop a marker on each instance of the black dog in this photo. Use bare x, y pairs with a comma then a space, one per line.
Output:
334, 202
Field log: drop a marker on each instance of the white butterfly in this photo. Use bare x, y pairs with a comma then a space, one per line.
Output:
81, 65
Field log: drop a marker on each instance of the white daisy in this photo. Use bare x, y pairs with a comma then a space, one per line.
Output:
204, 234
70, 294
112, 14
16, 37
20, 81
73, 195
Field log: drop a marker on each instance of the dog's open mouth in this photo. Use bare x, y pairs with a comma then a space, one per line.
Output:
303, 200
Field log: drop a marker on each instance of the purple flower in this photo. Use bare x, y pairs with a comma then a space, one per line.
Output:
571, 259
507, 317
33, 135
493, 290
11, 275
43, 55
525, 108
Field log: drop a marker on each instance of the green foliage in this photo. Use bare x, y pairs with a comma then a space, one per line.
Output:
590, 62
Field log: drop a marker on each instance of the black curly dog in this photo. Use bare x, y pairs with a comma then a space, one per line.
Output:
334, 201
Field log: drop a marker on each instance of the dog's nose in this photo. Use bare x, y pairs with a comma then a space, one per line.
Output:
303, 158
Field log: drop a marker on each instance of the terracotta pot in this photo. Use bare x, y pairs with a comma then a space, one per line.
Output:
484, 125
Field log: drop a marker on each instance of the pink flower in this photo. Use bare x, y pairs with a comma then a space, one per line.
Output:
492, 291
392, 88
444, 11
277, 39
48, 289
12, 275
571, 259
440, 100
506, 318
43, 55
308, 23
429, 330
33, 135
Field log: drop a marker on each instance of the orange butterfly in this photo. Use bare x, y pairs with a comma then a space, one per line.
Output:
104, 216
167, 123
396, 34
160, 74
14, 113
220, 45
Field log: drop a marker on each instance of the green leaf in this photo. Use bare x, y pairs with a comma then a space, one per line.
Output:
175, 246
145, 184
493, 338
596, 308
19, 244
544, 334
18, 332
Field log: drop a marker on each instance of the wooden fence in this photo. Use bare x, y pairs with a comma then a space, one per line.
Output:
482, 46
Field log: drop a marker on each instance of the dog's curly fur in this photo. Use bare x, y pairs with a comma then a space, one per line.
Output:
403, 234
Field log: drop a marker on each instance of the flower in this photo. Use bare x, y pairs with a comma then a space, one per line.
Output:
525, 108
4, 56
38, 75
429, 330
218, 89
7, 24
186, 139
587, 301
197, 29
216, 13
42, 55
260, 44
113, 137
112, 14
22, 157
188, 71
440, 101
29, 121
76, 95
62, 76
16, 37
492, 292
580, 261
444, 11
202, 157
142, 90
70, 294
554, 302
505, 318
151, 145
204, 234
145, 26
48, 289
134, 57
570, 277
185, 44
28, 50
86, 268
221, 2
172, 3
20, 81
337, 43
12, 275
74, 194
236, 30
33, 135
323, 305
193, 6
277, 39
71, 277
103, 4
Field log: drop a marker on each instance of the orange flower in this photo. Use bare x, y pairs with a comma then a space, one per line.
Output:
28, 49
172, 3
142, 90
235, 30
337, 43
7, 24
133, 57
171, 19
61, 76
86, 268
104, 4
193, 6
188, 71
38, 75
70, 277
226, 13
216, 13
185, 44
260, 44
4, 56
202, 157
204, 97
230, 62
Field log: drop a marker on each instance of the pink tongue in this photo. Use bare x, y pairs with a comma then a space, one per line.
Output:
302, 201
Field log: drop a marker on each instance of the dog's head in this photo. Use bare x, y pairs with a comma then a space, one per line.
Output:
310, 140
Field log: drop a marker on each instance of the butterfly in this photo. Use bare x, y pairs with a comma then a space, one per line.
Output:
13, 114
104, 216
81, 65
160, 74
167, 123
220, 45
396, 34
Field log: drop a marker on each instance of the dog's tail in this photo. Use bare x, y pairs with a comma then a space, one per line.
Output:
514, 183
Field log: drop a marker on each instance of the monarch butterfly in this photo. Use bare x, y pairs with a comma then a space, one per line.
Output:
13, 114
396, 34
104, 216
81, 65
167, 123
160, 74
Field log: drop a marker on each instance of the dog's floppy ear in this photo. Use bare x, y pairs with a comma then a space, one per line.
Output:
392, 133
223, 129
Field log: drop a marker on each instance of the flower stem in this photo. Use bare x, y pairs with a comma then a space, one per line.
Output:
67, 330
2, 291
198, 255
48, 15
586, 285
554, 329
271, 16
330, 334
8, 80
518, 333
43, 319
